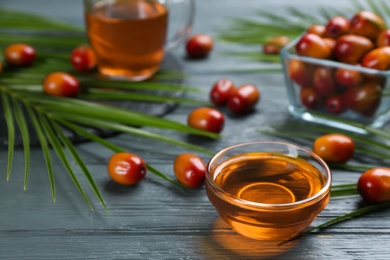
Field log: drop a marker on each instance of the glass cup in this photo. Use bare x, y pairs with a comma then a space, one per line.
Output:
129, 37
268, 190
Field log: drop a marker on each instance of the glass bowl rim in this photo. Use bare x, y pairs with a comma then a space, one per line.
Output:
246, 203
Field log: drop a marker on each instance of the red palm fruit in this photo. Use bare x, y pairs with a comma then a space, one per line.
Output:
351, 48
374, 185
381, 80
383, 38
19, 55
335, 104
243, 99
323, 81
199, 46
330, 42
317, 29
348, 77
337, 148
126, 168
207, 119
300, 72
369, 113
83, 58
363, 98
314, 46
220, 91
61, 84
336, 27
378, 58
271, 49
309, 98
190, 170
274, 45
367, 24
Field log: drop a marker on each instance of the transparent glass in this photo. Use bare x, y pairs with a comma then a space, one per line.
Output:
129, 37
365, 102
268, 190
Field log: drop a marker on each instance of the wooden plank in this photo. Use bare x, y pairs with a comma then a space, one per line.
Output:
154, 220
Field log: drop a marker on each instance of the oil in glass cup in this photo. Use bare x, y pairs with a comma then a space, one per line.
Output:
268, 190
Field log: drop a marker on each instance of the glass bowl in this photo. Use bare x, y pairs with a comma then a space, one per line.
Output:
335, 93
268, 190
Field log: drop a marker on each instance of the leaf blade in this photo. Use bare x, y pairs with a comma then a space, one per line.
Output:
45, 150
113, 114
70, 147
114, 148
23, 128
51, 136
9, 119
126, 129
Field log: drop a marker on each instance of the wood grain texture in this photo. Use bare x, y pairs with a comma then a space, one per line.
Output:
154, 220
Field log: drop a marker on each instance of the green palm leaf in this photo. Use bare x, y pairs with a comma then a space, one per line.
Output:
41, 42
72, 150
359, 212
66, 106
11, 131
92, 94
52, 137
118, 149
265, 24
24, 102
26, 21
367, 145
344, 190
66, 119
21, 121
45, 150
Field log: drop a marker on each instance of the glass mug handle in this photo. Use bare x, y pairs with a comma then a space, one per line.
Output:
185, 28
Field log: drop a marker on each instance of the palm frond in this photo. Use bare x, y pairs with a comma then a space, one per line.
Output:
360, 212
104, 94
11, 131
102, 124
358, 5
344, 190
304, 19
118, 149
22, 124
27, 21
25, 103
72, 150
81, 108
165, 177
45, 150
385, 10
255, 56
368, 145
263, 25
41, 43
329, 12
52, 138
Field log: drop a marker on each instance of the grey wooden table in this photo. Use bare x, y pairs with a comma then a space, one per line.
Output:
154, 220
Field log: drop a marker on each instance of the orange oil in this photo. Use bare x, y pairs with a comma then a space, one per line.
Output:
128, 37
271, 179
